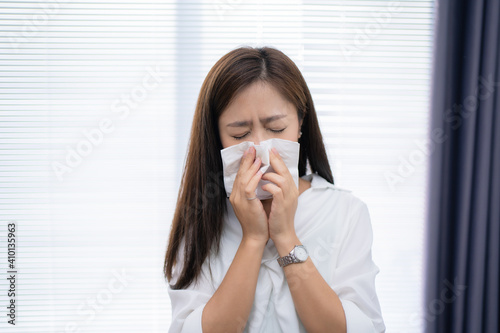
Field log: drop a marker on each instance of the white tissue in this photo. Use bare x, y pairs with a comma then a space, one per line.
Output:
231, 158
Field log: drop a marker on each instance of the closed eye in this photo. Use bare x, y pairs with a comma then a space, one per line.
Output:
241, 137
272, 130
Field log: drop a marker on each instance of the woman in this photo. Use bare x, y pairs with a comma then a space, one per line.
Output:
298, 261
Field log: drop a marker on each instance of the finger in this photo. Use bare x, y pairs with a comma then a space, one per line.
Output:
246, 175
273, 189
277, 163
252, 184
247, 160
275, 178
255, 165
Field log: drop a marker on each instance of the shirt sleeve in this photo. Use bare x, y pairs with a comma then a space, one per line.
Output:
354, 275
188, 304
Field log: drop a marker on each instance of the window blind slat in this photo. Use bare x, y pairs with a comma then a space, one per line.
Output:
91, 158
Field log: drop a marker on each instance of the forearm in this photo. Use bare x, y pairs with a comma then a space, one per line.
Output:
229, 307
317, 305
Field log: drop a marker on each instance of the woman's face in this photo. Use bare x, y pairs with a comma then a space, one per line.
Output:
256, 114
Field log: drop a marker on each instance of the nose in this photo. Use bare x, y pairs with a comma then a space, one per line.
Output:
257, 138
259, 135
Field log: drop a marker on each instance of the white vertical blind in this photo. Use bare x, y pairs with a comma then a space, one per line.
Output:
108, 89
87, 99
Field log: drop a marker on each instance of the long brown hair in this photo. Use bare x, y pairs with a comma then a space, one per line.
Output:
201, 202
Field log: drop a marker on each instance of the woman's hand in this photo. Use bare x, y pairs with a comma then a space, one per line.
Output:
285, 198
250, 213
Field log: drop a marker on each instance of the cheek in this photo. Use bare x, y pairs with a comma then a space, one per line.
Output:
221, 136
292, 133
225, 140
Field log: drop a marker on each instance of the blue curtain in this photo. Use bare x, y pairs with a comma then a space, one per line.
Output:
463, 230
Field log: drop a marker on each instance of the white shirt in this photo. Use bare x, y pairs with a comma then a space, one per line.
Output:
335, 227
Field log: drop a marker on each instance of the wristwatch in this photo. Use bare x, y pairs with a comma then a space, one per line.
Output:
298, 254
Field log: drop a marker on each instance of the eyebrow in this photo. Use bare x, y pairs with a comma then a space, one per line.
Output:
262, 120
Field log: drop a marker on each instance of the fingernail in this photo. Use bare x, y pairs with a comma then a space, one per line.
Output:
257, 161
274, 151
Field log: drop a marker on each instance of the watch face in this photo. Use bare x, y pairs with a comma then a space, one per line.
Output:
300, 253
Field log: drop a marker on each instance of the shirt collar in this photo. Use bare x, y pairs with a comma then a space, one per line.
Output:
318, 182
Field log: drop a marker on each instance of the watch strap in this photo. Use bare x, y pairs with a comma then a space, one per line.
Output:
290, 258
286, 260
